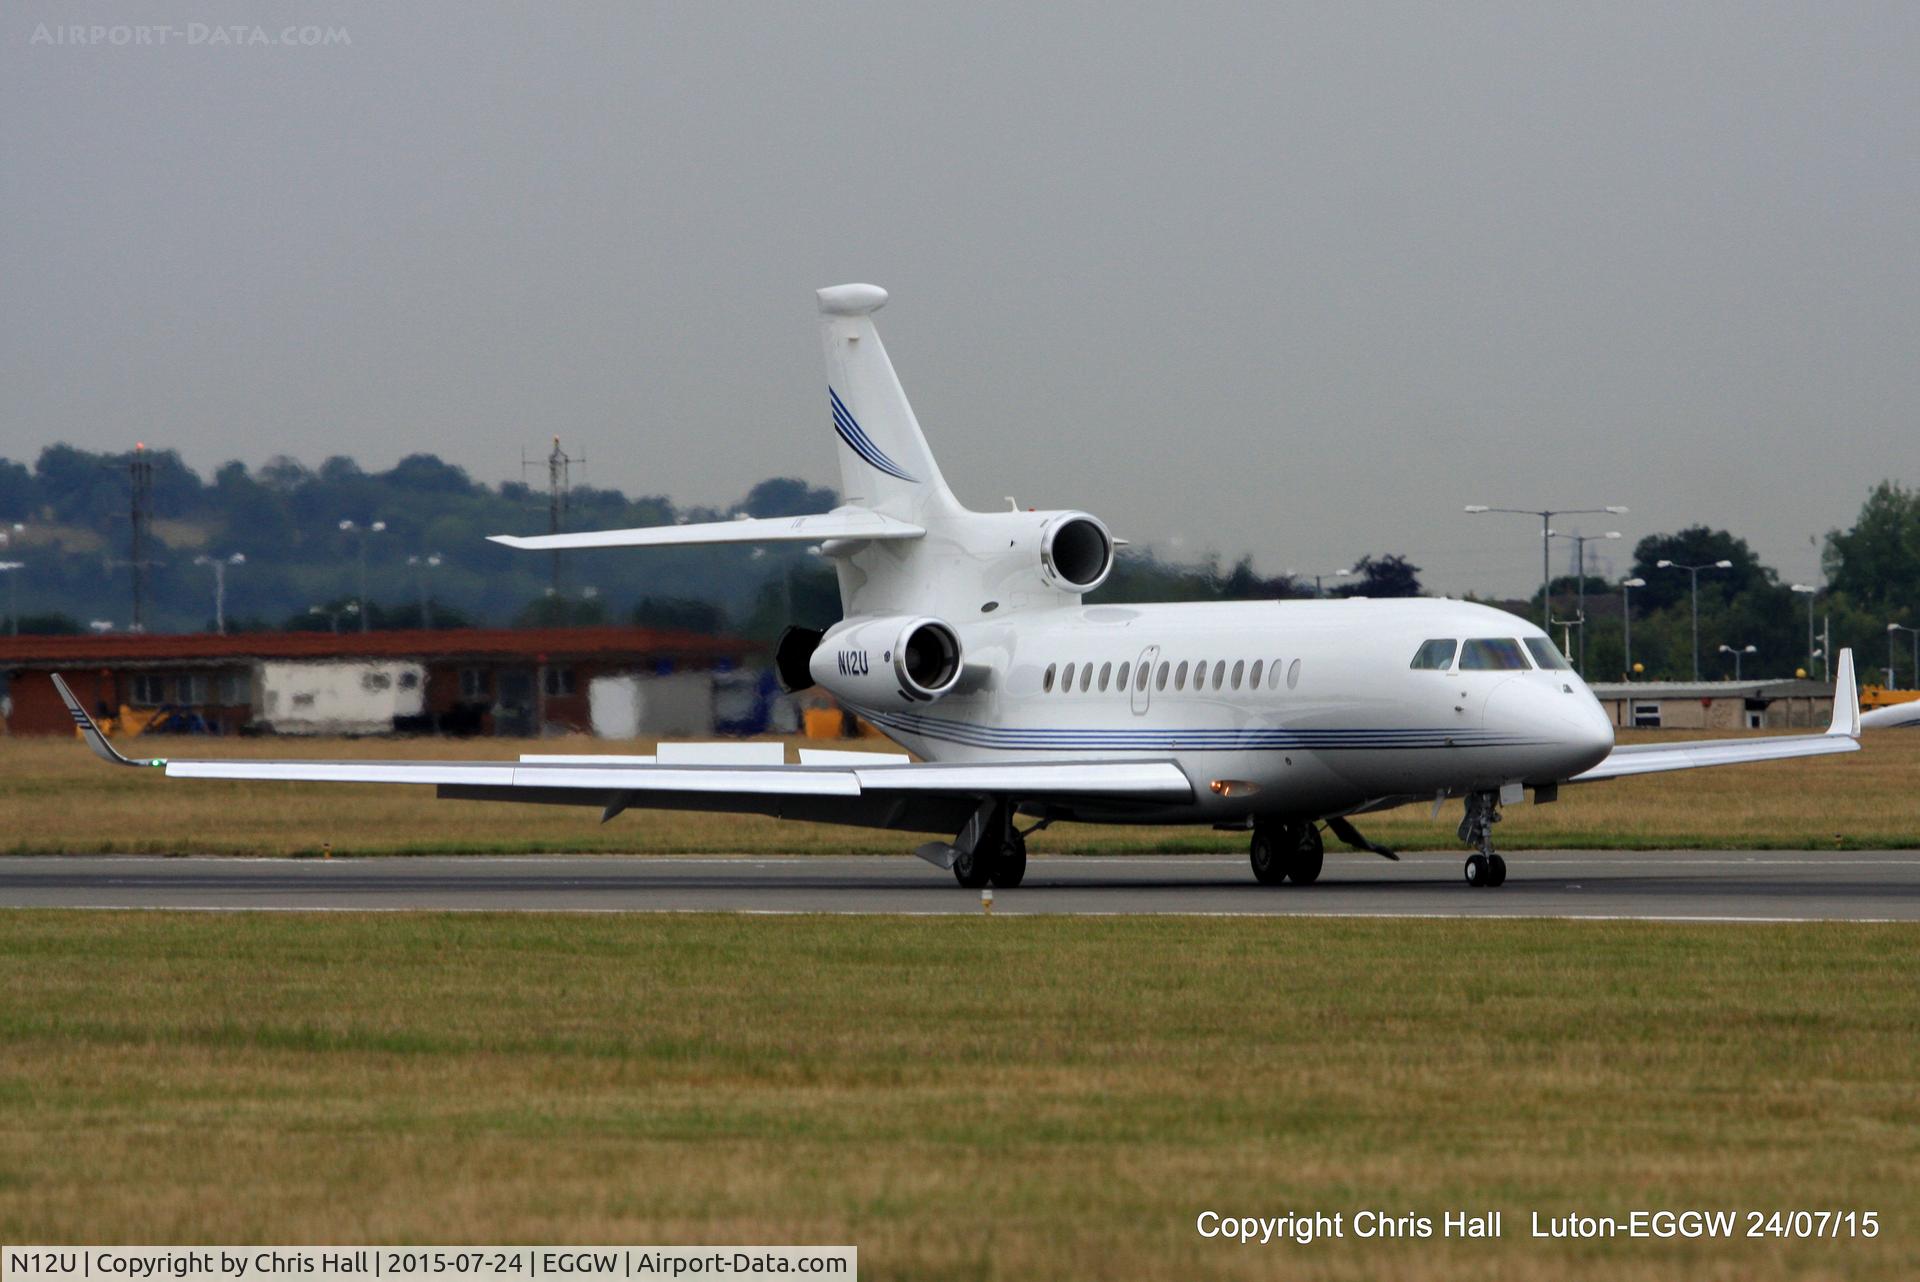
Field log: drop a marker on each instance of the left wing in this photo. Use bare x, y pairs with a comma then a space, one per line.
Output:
742, 778
1843, 735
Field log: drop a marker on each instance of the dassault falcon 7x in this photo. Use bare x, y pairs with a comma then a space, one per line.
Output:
966, 639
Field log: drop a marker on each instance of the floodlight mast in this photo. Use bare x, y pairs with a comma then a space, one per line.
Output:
1694, 572
1546, 516
1626, 622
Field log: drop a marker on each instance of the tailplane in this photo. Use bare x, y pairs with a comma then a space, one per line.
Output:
885, 464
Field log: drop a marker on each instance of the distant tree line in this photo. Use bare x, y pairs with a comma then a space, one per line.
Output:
432, 564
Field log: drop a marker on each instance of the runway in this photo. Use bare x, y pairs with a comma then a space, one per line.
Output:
1654, 886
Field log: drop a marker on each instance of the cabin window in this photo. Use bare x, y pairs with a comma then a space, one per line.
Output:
1239, 670
1273, 676
1293, 674
1066, 680
1435, 655
1180, 676
1120, 682
1220, 674
1086, 677
1046, 682
1106, 670
1160, 678
1492, 654
1253, 676
1547, 655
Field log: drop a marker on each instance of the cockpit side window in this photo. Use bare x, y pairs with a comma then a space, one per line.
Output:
1492, 654
1435, 655
1547, 655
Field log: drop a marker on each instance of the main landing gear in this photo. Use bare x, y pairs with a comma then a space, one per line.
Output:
1286, 850
1483, 812
996, 855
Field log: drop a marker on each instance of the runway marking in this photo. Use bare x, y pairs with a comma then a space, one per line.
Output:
964, 912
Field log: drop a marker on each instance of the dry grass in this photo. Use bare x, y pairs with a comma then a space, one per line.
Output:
963, 1098
58, 798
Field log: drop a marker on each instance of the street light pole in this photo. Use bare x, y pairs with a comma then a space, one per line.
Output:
1809, 591
1546, 516
372, 528
1318, 591
1901, 627
1693, 572
421, 565
1727, 649
1626, 621
1580, 542
220, 586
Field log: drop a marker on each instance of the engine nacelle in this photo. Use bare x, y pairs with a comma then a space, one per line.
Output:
887, 661
1076, 552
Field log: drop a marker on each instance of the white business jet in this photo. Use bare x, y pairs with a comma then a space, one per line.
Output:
966, 639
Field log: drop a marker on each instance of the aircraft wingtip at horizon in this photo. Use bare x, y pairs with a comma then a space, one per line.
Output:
90, 731
1846, 697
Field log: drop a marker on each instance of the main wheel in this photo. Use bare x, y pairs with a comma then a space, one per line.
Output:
1477, 870
974, 868
1264, 855
1305, 854
1011, 868
1496, 871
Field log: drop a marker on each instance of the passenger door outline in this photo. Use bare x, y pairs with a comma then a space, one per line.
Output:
1142, 693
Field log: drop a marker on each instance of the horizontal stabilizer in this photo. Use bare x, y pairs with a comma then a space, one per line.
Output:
841, 523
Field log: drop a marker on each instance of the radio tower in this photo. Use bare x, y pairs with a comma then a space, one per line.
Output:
559, 482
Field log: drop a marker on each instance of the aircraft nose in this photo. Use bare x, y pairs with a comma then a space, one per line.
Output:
1562, 720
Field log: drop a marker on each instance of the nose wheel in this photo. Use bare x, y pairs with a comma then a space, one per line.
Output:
1484, 868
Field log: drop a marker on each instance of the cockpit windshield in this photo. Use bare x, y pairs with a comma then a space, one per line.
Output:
1492, 654
1547, 655
1435, 655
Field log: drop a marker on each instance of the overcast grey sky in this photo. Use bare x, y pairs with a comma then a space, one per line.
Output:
1299, 280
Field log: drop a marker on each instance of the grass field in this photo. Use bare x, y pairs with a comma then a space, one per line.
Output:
59, 798
968, 1098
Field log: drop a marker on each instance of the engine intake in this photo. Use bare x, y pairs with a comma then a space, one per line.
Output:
1076, 552
889, 660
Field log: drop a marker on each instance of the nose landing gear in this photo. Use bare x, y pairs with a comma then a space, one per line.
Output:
1483, 812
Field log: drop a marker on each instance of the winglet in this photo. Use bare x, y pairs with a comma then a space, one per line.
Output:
91, 732
1846, 698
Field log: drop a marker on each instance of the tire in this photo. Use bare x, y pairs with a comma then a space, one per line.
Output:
1496, 871
1305, 854
1264, 854
1477, 871
1010, 869
973, 870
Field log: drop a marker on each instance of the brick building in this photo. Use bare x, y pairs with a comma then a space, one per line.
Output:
462, 681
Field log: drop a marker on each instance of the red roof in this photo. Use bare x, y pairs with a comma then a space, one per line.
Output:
448, 643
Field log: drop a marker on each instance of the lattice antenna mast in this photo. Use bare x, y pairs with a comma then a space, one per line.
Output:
559, 485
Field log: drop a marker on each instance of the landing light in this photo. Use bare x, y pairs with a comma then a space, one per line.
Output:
1232, 787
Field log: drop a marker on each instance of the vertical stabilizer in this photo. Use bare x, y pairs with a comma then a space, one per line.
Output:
884, 460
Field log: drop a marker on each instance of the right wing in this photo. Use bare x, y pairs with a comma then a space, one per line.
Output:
739, 778
841, 523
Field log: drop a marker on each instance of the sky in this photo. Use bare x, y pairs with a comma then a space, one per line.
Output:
1294, 280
